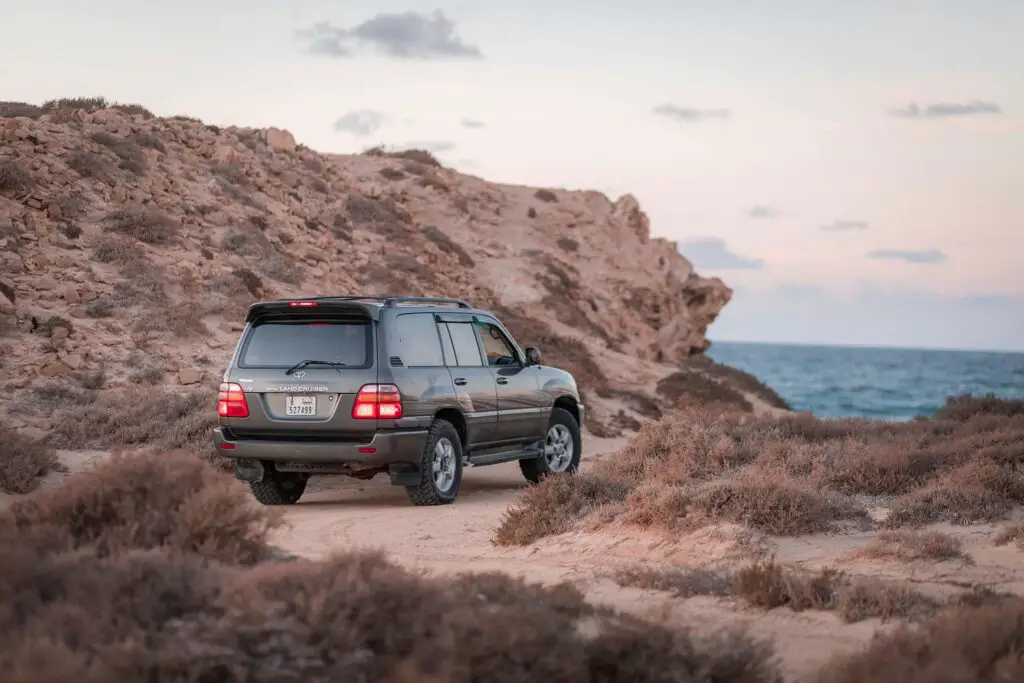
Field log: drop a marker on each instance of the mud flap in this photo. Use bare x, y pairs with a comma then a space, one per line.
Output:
404, 475
250, 471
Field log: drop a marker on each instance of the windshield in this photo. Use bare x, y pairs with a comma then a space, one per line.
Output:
284, 344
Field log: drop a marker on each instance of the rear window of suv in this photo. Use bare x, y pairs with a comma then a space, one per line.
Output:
283, 344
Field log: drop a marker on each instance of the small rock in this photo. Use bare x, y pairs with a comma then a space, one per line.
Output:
73, 360
280, 140
53, 211
33, 433
60, 332
51, 370
45, 283
188, 376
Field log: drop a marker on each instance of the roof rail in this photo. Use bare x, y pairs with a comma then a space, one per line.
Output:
393, 301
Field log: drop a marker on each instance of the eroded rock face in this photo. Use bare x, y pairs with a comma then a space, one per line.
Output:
150, 236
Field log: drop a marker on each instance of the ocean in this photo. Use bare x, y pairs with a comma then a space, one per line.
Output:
880, 383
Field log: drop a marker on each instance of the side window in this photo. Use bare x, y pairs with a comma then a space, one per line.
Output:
446, 345
464, 343
414, 339
497, 348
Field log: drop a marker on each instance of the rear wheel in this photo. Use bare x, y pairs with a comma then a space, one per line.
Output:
440, 467
279, 488
562, 448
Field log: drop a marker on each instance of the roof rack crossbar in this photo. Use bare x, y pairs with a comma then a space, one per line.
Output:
393, 301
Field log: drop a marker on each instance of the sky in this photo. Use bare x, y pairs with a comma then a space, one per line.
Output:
853, 170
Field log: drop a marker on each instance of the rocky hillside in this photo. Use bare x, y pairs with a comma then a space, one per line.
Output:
130, 246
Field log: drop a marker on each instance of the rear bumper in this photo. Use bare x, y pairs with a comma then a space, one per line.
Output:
386, 448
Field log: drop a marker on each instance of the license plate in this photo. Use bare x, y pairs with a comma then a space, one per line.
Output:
300, 406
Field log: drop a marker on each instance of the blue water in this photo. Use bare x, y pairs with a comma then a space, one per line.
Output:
895, 384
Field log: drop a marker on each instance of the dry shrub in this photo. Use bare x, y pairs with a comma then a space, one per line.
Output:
139, 416
979, 490
391, 173
63, 108
1011, 533
568, 244
968, 643
908, 546
118, 249
695, 386
23, 461
145, 224
793, 474
743, 381
447, 245
15, 178
546, 195
13, 110
87, 164
130, 155
963, 407
769, 585
554, 506
380, 215
142, 570
159, 500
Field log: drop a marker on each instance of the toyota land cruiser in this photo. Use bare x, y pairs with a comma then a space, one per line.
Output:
416, 387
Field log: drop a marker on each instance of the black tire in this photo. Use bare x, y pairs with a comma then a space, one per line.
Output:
279, 488
536, 469
427, 491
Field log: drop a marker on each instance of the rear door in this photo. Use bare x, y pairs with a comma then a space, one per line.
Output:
472, 379
313, 402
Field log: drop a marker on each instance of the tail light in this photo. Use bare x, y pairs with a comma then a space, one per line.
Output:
231, 401
304, 304
377, 401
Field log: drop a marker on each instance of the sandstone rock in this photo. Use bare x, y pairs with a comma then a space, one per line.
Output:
33, 433
60, 332
187, 376
73, 361
280, 140
51, 370
45, 283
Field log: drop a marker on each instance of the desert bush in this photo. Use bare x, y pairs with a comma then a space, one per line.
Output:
391, 173
118, 250
87, 164
738, 379
382, 216
13, 110
155, 567
447, 245
149, 141
689, 386
130, 155
546, 195
968, 643
63, 107
568, 244
15, 178
795, 474
963, 407
145, 224
1011, 533
769, 585
23, 461
908, 545
139, 416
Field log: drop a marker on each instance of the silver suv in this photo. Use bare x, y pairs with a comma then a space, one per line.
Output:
416, 387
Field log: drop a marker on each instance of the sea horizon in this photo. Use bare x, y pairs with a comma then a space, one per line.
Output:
881, 347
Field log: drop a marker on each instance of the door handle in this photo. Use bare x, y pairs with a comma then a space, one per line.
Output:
503, 380
460, 381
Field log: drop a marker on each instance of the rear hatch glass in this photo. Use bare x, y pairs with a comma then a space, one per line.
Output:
283, 344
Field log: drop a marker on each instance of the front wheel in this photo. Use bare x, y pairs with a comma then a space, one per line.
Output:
562, 448
440, 467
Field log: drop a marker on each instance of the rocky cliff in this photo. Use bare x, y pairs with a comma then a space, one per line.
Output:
130, 246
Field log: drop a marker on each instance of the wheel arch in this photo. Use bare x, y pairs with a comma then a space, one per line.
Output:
458, 420
569, 404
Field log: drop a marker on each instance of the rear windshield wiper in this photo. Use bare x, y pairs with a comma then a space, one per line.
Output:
308, 362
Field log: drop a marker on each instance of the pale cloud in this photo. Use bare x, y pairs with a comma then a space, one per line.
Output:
360, 122
764, 212
945, 110
845, 226
405, 35
472, 124
925, 256
690, 114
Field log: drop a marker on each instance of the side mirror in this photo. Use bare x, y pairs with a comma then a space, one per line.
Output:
532, 355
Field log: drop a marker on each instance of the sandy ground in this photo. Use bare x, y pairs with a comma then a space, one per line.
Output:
338, 513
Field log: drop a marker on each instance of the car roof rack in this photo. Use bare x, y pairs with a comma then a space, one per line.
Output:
393, 301
387, 301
